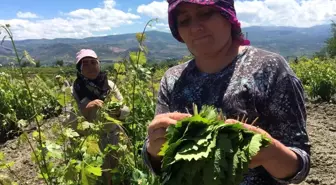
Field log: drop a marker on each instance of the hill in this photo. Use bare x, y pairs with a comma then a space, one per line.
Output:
288, 41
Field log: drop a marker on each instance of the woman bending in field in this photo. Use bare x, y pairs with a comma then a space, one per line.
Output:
90, 90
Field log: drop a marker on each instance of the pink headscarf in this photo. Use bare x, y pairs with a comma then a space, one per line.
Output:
226, 8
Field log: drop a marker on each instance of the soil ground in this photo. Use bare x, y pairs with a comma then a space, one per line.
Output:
321, 126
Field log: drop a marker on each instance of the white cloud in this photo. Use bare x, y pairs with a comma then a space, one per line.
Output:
76, 24
286, 12
162, 24
155, 9
153, 28
26, 15
109, 4
299, 13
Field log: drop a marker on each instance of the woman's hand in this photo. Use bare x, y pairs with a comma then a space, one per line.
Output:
157, 131
277, 159
261, 157
95, 103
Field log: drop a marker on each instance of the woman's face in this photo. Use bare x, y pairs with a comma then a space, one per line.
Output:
204, 30
90, 67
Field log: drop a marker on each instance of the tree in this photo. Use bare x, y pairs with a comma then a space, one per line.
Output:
38, 63
322, 54
331, 42
59, 63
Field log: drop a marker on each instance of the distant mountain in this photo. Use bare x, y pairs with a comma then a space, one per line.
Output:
288, 41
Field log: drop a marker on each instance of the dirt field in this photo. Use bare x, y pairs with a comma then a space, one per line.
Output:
322, 132
321, 128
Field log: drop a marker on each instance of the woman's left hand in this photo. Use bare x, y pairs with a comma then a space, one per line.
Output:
264, 153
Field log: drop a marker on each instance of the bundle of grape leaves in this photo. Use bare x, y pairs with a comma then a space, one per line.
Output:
112, 105
202, 150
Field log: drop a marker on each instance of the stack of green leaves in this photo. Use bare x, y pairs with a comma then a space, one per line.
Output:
204, 150
112, 105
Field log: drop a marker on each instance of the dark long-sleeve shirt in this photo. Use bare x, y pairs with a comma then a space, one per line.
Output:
257, 83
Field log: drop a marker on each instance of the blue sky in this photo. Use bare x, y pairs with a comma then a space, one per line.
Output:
50, 9
78, 18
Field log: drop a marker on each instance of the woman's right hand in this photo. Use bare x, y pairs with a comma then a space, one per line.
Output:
157, 131
95, 103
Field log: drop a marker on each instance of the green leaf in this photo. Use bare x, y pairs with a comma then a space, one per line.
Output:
138, 58
209, 112
163, 149
203, 152
2, 156
85, 125
93, 170
170, 152
210, 173
140, 37
23, 138
10, 164
37, 137
71, 171
22, 123
86, 177
5, 180
255, 144
119, 67
39, 118
224, 143
92, 146
63, 98
186, 128
109, 118
54, 149
28, 57
70, 133
201, 141
189, 146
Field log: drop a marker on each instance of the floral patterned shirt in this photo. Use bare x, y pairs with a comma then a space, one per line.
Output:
257, 83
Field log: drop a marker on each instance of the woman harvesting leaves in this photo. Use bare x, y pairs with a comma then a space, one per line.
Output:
239, 79
92, 86
90, 90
